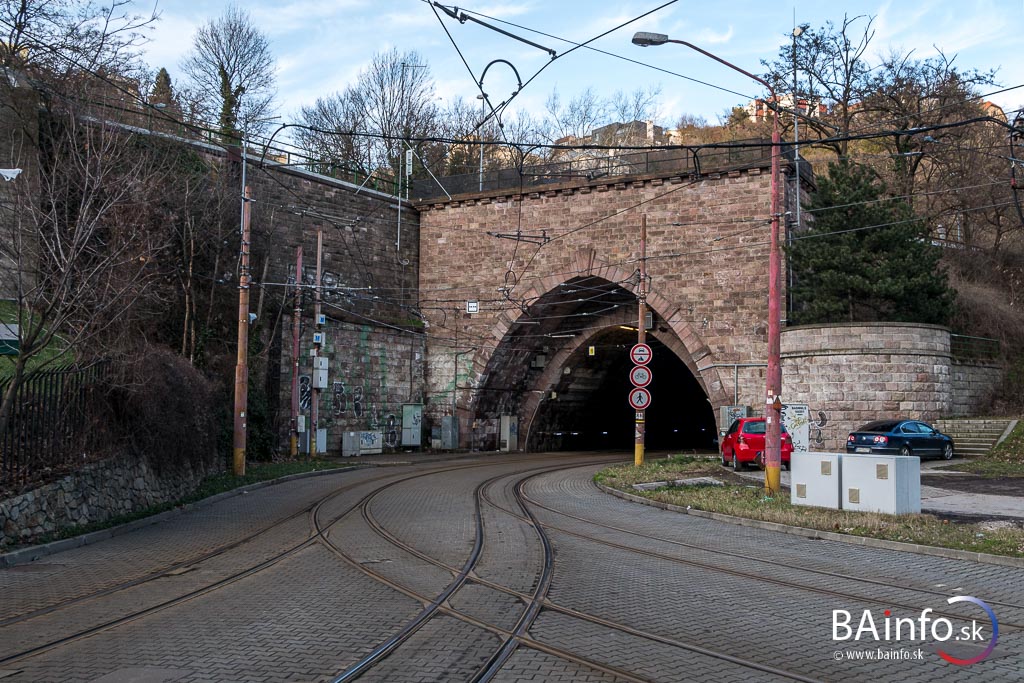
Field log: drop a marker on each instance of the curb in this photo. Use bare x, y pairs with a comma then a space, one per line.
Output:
35, 552
946, 553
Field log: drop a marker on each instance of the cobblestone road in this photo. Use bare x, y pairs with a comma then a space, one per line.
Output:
246, 589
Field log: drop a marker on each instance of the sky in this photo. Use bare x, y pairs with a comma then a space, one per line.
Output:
322, 45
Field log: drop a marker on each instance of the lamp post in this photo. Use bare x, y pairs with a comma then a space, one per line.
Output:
773, 401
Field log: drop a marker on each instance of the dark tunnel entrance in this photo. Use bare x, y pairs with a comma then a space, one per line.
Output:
589, 408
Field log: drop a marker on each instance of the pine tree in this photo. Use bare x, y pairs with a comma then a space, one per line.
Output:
163, 92
867, 257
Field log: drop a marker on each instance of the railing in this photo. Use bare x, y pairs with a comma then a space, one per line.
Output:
964, 347
598, 164
50, 422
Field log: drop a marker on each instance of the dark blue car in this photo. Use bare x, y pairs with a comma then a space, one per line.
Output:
900, 437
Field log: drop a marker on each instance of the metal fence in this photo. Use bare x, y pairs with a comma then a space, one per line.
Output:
597, 164
967, 348
50, 422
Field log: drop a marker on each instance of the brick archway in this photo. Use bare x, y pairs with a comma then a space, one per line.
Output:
678, 336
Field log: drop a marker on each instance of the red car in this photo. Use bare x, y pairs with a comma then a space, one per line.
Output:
744, 443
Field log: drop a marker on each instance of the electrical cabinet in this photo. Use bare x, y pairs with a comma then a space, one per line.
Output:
882, 483
320, 372
509, 438
816, 479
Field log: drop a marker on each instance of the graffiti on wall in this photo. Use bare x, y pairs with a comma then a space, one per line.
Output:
305, 392
339, 404
333, 288
391, 431
818, 433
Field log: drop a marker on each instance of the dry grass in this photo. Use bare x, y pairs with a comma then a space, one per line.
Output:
750, 502
1005, 460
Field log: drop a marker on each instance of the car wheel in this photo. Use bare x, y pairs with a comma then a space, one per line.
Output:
736, 464
947, 452
905, 450
725, 462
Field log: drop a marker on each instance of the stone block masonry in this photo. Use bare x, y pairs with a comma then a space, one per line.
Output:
96, 493
374, 334
707, 265
850, 374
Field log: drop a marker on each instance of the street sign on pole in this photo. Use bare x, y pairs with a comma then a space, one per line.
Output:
640, 398
640, 376
641, 354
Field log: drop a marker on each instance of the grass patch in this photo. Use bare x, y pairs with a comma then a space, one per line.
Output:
750, 502
211, 486
9, 314
1005, 460
666, 469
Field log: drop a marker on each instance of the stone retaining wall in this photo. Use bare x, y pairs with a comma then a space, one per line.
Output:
852, 374
973, 384
97, 493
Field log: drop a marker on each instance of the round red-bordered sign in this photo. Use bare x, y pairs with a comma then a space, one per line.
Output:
640, 375
640, 399
641, 354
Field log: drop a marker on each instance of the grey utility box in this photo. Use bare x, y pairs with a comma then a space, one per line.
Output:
816, 479
882, 483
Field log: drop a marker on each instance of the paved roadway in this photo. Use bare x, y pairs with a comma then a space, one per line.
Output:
305, 580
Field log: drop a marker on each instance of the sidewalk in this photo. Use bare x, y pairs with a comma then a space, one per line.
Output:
945, 501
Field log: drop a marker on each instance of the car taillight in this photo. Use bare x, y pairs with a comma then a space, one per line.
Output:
786, 438
850, 439
881, 440
740, 439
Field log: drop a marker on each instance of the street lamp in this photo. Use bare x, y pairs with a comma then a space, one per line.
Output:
773, 401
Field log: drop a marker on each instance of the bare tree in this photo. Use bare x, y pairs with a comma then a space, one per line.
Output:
84, 258
391, 102
232, 72
831, 66
64, 39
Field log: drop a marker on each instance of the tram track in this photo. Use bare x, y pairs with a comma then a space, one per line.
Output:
753, 575
533, 604
312, 510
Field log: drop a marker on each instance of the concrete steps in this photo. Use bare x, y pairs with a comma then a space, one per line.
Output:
975, 436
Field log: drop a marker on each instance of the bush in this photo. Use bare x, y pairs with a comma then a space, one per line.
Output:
169, 412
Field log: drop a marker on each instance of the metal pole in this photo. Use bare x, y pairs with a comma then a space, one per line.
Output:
796, 163
296, 327
483, 115
773, 388
641, 337
773, 400
314, 408
242, 367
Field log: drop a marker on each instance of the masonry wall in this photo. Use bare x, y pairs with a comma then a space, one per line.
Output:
373, 333
851, 374
96, 493
973, 385
712, 291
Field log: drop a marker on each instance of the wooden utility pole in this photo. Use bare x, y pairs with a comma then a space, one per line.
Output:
242, 366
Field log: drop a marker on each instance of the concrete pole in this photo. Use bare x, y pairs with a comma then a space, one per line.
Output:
314, 407
773, 399
242, 364
293, 448
641, 337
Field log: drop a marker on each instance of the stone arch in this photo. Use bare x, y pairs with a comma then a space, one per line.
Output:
676, 334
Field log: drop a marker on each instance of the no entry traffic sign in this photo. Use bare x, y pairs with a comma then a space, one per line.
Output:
641, 354
640, 398
640, 376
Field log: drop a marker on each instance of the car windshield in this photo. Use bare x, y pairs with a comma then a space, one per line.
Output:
879, 426
753, 428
